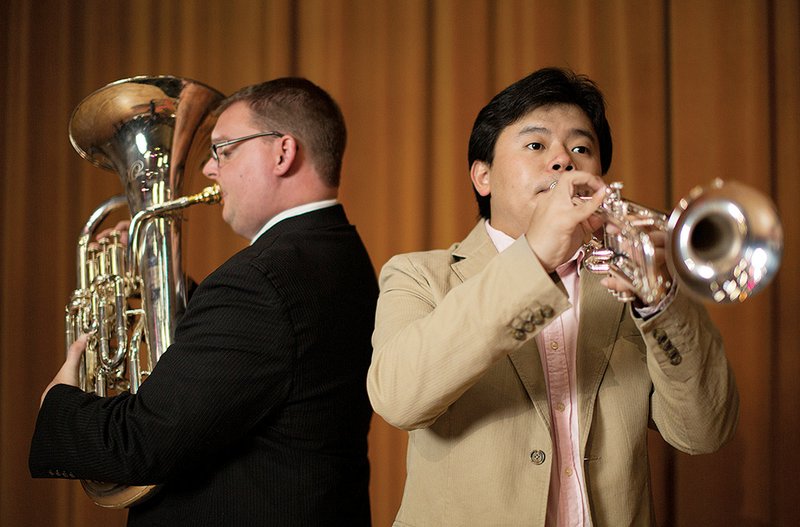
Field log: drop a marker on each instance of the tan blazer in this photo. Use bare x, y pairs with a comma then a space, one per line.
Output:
455, 364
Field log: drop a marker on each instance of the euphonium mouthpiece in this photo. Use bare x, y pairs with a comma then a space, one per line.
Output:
209, 194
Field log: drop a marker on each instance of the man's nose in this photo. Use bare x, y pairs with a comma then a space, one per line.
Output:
211, 168
561, 162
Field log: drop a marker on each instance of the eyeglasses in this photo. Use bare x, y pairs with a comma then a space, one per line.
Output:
215, 147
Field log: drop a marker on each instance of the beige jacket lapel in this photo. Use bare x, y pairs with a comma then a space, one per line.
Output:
596, 336
469, 258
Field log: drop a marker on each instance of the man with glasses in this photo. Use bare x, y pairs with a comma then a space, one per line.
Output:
257, 414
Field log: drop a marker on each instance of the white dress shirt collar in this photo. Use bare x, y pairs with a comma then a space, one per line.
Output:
294, 211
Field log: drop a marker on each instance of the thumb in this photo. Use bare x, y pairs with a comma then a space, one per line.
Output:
76, 349
70, 370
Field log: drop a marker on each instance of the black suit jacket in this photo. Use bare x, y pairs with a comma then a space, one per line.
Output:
257, 414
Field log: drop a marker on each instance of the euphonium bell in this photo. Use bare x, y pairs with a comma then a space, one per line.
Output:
724, 243
150, 131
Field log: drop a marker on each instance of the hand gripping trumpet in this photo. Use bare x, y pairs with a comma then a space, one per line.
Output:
724, 244
129, 297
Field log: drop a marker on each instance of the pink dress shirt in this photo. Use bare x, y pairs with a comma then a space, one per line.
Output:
557, 342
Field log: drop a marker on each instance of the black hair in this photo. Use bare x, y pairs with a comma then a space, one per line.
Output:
544, 87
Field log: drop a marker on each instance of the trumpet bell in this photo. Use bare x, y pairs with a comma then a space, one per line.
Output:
726, 242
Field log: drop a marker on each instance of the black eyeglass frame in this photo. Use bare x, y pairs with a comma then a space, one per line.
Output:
222, 144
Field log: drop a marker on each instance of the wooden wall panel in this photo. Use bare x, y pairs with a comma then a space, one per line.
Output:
721, 129
784, 463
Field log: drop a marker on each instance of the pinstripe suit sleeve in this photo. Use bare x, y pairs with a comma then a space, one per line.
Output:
231, 363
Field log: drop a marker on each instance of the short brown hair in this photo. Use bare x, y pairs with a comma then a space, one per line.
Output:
297, 106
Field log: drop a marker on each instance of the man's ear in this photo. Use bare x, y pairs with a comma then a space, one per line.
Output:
286, 153
480, 175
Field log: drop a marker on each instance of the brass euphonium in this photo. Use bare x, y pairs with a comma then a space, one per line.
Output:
149, 130
724, 243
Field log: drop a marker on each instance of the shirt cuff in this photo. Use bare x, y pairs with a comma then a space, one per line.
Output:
646, 312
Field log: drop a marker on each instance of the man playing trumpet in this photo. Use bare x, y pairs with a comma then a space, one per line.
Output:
526, 388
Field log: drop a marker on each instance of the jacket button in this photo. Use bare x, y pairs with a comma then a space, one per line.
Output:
547, 311
519, 334
538, 457
675, 358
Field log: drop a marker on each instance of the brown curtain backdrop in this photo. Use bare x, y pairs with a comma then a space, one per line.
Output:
696, 90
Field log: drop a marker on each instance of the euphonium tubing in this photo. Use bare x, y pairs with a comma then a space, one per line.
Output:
150, 131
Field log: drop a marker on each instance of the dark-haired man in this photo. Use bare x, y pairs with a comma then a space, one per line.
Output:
257, 414
527, 388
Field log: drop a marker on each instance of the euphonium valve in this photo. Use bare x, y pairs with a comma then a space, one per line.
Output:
724, 243
150, 131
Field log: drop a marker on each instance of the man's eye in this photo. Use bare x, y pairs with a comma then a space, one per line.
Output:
534, 146
581, 150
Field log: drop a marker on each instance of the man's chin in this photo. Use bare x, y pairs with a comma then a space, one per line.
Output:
227, 217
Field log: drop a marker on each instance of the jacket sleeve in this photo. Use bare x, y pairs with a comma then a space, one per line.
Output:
695, 402
432, 342
230, 364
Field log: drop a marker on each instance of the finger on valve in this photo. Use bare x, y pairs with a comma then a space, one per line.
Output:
121, 228
621, 289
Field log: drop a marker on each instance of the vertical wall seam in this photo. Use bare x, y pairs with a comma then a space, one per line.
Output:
428, 130
670, 477
775, 294
492, 78
668, 146
294, 38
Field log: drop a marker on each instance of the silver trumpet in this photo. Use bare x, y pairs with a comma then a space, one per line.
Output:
724, 243
149, 130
